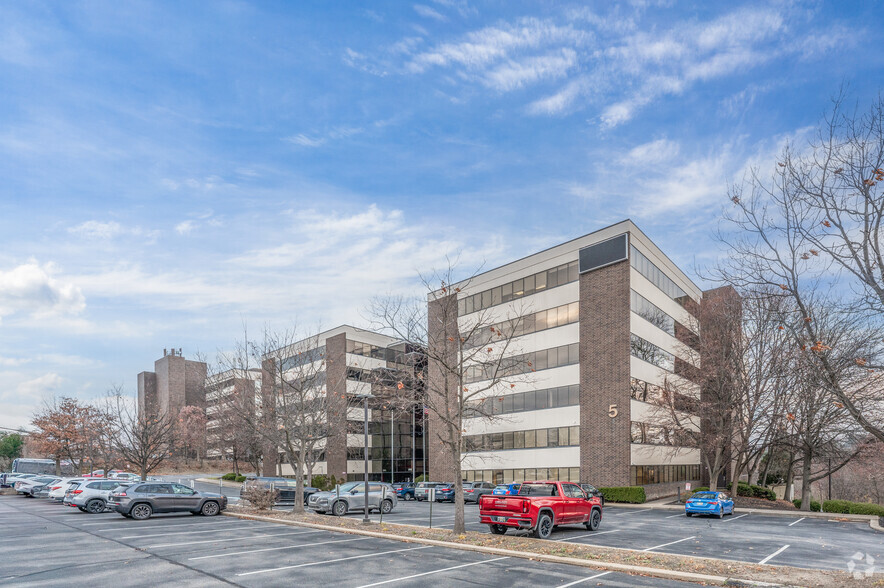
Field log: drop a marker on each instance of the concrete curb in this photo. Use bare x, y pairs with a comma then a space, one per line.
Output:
872, 519
596, 565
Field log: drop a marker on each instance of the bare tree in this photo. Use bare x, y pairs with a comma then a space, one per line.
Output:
144, 440
471, 361
191, 432
813, 230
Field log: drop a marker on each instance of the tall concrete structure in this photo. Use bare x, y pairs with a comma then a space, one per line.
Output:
604, 320
176, 382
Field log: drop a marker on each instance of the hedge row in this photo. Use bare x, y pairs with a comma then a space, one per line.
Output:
629, 494
744, 489
233, 478
814, 505
848, 507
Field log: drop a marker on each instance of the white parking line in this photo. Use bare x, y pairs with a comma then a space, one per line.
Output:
583, 580
327, 561
617, 514
670, 543
737, 517
129, 524
275, 548
681, 514
774, 554
796, 522
221, 530
230, 539
475, 563
589, 535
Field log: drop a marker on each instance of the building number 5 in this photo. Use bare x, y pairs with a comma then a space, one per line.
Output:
612, 410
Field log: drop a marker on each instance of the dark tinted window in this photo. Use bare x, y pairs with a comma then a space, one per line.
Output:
604, 253
538, 490
95, 485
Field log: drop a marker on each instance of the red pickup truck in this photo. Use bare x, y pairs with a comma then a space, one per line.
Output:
540, 506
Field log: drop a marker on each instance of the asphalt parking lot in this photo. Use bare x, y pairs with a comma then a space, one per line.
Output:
777, 540
47, 544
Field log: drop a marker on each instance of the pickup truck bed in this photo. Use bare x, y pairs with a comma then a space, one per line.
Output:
539, 507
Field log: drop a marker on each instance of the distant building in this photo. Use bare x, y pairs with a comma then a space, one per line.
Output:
176, 382
232, 390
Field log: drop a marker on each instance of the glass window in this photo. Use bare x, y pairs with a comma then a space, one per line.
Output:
519, 440
486, 299
552, 357
540, 281
552, 437
573, 395
563, 396
540, 436
529, 285
497, 441
574, 435
506, 292
530, 440
528, 400
182, 489
574, 352
495, 296
563, 275
541, 399
552, 278
573, 271
540, 362
507, 404
468, 305
563, 437
519, 288
540, 320
508, 440
573, 312
518, 402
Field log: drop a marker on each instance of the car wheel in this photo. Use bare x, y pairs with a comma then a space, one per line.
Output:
387, 506
340, 508
544, 526
210, 508
141, 512
595, 519
687, 514
82, 508
497, 529
95, 506
720, 512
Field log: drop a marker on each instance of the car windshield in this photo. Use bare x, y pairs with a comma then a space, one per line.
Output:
705, 495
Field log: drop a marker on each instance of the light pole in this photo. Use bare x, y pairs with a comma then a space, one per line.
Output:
365, 397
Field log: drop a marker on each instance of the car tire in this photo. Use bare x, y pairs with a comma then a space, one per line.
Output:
387, 506
95, 506
720, 513
595, 519
687, 514
210, 508
497, 529
544, 526
82, 508
339, 508
141, 511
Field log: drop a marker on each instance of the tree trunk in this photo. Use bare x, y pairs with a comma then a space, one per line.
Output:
298, 508
735, 482
788, 493
805, 479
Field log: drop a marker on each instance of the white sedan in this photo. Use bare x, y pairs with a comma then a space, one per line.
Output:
57, 490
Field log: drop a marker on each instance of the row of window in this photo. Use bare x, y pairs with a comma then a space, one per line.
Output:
384, 353
522, 475
656, 276
651, 312
524, 401
647, 351
557, 276
527, 362
533, 439
650, 393
642, 475
525, 325
303, 357
648, 434
383, 453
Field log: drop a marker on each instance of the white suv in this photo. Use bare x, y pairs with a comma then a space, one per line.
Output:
91, 495
57, 490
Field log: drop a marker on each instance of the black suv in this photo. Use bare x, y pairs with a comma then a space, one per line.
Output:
140, 501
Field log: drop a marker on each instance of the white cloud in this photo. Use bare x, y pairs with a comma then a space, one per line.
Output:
184, 227
517, 74
428, 12
653, 152
97, 230
305, 141
31, 288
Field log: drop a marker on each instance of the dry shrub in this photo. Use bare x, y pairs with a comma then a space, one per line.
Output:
260, 498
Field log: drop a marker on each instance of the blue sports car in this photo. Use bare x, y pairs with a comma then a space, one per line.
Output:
506, 489
711, 503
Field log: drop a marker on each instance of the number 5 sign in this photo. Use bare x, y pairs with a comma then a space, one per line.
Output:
612, 410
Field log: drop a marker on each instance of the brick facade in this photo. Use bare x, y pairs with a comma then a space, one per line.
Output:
269, 451
336, 389
604, 375
443, 334
147, 393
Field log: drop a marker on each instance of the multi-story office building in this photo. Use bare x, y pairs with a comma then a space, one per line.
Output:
233, 390
351, 363
602, 322
176, 382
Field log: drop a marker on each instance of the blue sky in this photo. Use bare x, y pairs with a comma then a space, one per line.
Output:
172, 171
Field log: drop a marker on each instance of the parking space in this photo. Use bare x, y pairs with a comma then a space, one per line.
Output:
45, 544
756, 538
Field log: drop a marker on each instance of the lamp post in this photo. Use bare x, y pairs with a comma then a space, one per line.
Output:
365, 397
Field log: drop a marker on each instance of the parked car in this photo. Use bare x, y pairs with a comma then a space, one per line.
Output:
351, 496
22, 486
94, 474
422, 490
541, 506
11, 478
711, 503
117, 475
141, 500
404, 490
58, 489
91, 495
593, 491
445, 492
287, 487
40, 490
506, 489
473, 491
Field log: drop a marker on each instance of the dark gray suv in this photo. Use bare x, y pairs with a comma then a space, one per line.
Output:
140, 501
